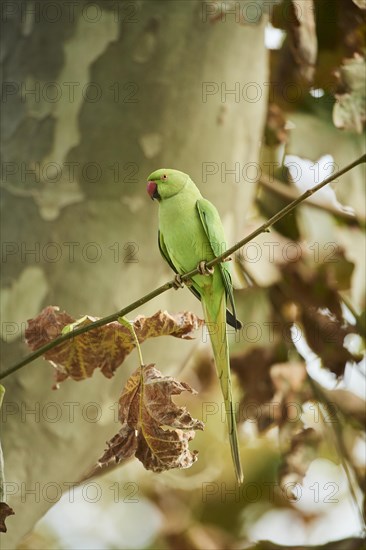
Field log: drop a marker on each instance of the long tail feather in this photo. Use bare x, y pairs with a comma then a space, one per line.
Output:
216, 322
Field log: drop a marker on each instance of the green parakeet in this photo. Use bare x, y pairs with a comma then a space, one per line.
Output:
190, 230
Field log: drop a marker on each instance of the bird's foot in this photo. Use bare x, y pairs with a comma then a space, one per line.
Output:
178, 283
203, 269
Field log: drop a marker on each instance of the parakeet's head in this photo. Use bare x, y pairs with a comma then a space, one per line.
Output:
165, 183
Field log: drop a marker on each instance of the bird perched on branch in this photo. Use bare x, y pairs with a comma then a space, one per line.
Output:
191, 234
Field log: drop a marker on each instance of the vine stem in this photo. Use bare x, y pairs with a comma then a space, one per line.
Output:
222, 257
289, 193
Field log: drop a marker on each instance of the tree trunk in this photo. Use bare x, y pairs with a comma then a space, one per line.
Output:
118, 91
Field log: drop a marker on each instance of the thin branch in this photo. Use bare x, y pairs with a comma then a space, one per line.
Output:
282, 190
105, 320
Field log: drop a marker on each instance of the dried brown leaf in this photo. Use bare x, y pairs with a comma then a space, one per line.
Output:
5, 511
154, 428
319, 307
309, 287
253, 370
288, 379
351, 26
302, 451
105, 347
291, 391
349, 112
325, 335
298, 444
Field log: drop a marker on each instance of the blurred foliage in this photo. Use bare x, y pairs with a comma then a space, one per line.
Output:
289, 414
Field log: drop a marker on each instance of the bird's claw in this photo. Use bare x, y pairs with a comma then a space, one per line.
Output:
178, 283
203, 269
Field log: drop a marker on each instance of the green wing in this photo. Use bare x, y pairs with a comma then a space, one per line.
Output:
165, 254
215, 233
230, 318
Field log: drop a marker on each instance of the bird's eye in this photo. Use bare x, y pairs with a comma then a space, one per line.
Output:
164, 177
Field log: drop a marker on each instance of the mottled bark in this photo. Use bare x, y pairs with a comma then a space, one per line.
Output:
141, 87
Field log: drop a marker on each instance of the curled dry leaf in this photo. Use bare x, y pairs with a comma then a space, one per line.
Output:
289, 379
253, 370
349, 112
298, 444
104, 347
301, 452
5, 511
325, 335
319, 307
351, 27
291, 391
154, 429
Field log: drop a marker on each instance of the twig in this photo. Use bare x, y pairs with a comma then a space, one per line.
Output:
126, 323
282, 190
105, 320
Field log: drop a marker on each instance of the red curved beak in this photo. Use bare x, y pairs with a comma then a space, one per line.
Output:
152, 189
